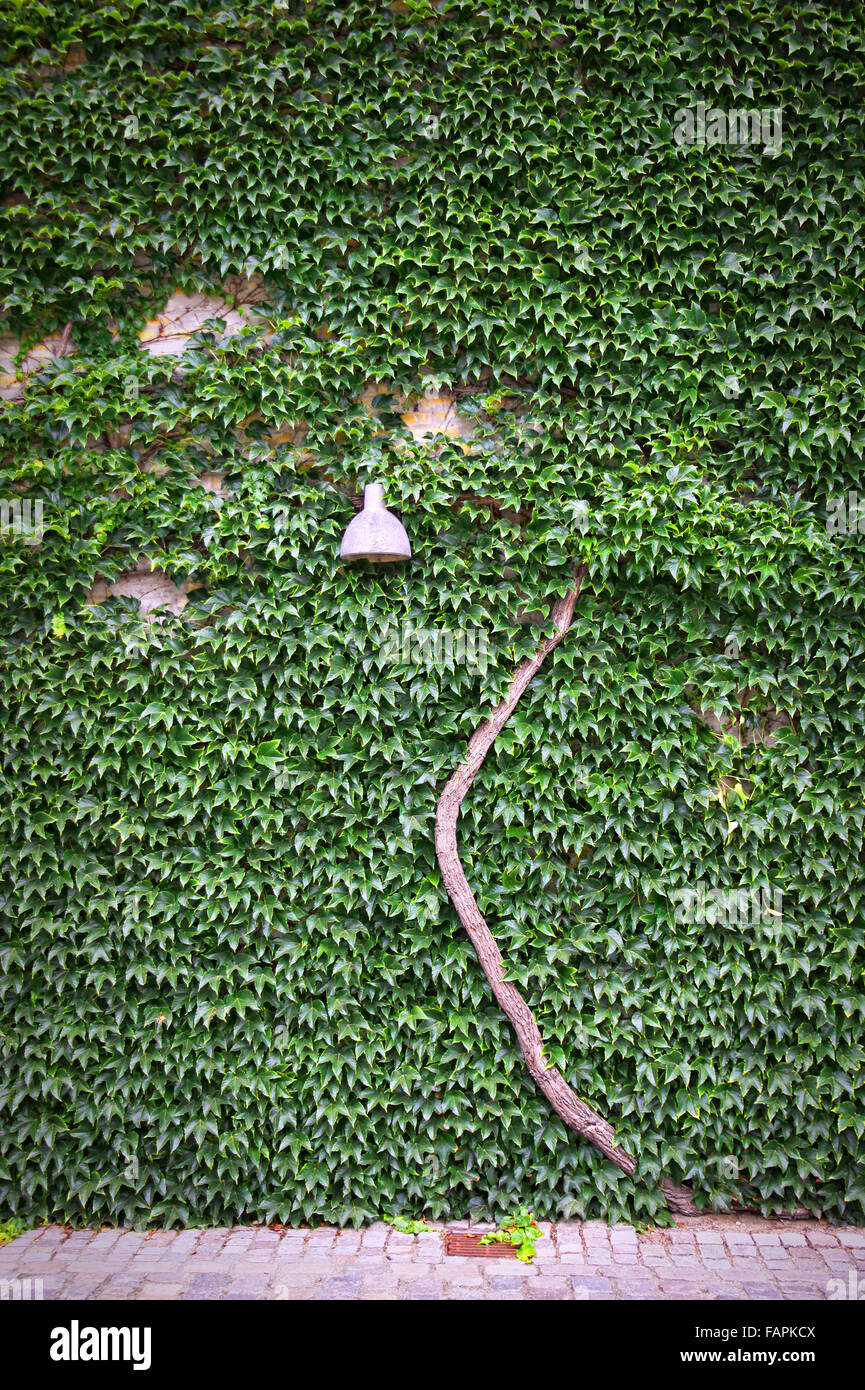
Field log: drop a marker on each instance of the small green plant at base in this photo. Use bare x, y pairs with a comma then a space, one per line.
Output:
10, 1229
520, 1230
407, 1226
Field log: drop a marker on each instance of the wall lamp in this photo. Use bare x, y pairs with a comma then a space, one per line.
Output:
375, 533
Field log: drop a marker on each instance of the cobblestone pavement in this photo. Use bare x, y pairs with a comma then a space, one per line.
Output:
705, 1258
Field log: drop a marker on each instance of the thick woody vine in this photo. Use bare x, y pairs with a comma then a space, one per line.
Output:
576, 1113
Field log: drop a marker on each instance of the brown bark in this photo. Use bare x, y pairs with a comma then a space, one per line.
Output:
64, 340
576, 1113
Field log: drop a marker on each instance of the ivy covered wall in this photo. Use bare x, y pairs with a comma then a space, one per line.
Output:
579, 284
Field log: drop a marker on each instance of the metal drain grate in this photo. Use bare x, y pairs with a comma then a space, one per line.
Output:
462, 1243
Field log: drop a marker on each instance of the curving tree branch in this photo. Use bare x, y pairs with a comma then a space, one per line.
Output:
576, 1113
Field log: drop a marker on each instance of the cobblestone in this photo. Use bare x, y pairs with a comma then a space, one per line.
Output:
702, 1258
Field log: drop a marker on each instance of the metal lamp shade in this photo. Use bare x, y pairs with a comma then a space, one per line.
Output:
375, 533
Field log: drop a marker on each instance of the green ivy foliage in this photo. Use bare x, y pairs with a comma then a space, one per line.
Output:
233, 985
